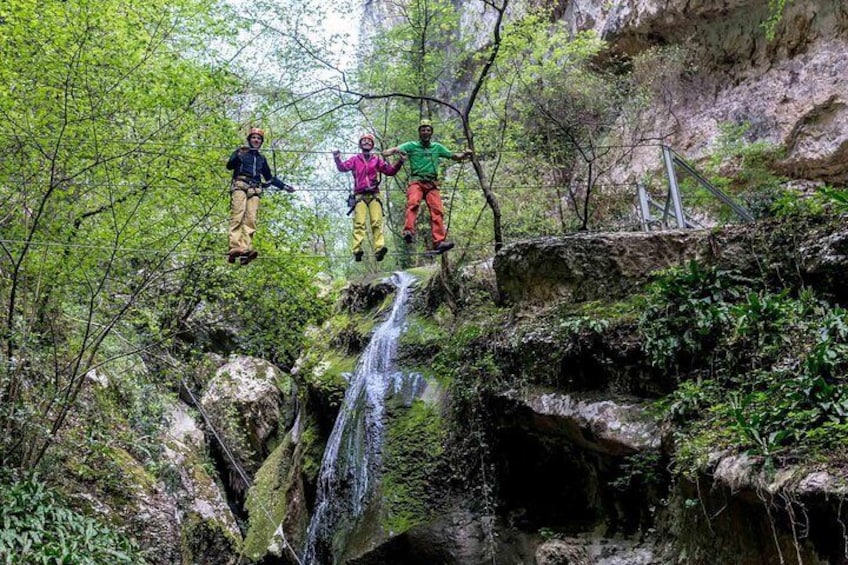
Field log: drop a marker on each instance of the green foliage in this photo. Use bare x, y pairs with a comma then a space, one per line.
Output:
116, 203
548, 533
744, 168
689, 401
833, 198
579, 324
687, 310
640, 471
275, 317
39, 527
792, 204
778, 366
561, 109
776, 9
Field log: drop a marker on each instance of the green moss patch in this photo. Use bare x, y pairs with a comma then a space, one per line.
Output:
412, 457
267, 499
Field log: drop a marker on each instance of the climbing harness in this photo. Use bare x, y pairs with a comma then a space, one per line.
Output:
352, 196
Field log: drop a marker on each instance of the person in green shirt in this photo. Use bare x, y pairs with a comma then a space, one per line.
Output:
424, 156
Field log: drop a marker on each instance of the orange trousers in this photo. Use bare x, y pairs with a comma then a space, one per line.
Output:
429, 191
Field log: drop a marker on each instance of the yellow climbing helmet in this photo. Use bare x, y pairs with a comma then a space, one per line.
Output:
425, 124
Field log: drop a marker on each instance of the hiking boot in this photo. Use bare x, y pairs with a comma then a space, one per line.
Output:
408, 236
357, 256
251, 255
233, 255
443, 246
381, 253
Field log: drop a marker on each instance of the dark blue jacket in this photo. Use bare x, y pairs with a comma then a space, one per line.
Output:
251, 164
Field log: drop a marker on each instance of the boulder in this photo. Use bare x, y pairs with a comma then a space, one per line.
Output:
209, 532
247, 401
582, 267
610, 266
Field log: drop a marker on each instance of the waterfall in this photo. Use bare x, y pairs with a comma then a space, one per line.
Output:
351, 463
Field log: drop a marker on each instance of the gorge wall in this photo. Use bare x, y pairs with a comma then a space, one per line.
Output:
790, 89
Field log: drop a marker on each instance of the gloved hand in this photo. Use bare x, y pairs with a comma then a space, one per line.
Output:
277, 183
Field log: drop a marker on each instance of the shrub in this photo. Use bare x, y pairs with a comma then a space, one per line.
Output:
39, 527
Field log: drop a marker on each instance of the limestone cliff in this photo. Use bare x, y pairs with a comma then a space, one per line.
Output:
791, 89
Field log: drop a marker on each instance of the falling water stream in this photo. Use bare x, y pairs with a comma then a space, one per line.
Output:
351, 463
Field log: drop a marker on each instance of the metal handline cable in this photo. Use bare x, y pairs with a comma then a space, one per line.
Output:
309, 190
280, 257
237, 466
199, 146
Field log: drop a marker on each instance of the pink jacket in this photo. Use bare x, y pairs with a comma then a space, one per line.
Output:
365, 172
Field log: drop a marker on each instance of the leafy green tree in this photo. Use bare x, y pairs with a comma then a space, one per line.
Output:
115, 196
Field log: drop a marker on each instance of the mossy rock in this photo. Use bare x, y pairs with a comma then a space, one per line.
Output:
267, 500
326, 372
412, 457
207, 541
279, 491
361, 296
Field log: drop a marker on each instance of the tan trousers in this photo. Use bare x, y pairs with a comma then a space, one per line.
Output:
368, 205
244, 203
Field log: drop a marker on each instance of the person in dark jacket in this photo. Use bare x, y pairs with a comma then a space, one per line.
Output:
249, 167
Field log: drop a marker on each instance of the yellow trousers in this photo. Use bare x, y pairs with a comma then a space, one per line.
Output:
244, 203
368, 205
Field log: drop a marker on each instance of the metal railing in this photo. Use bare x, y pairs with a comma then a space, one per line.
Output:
673, 206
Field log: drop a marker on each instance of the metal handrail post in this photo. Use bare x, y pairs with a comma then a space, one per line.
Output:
643, 205
715, 191
673, 188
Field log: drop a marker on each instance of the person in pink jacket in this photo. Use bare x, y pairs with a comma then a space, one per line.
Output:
367, 168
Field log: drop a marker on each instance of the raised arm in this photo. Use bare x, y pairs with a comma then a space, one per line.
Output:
390, 151
342, 166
